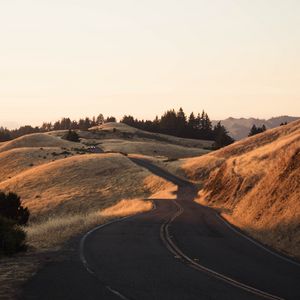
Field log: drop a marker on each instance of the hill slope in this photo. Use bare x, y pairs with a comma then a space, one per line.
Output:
256, 184
239, 128
78, 183
36, 140
120, 130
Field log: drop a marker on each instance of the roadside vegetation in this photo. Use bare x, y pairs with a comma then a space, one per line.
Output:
12, 216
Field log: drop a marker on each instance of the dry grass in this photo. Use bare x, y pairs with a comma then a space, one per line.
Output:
257, 183
37, 140
80, 183
15, 161
150, 148
55, 231
125, 131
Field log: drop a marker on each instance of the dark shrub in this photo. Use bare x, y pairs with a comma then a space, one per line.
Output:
72, 136
11, 208
12, 237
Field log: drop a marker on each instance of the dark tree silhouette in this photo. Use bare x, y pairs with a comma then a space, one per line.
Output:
256, 130
177, 124
12, 209
4, 135
222, 137
100, 119
110, 119
72, 136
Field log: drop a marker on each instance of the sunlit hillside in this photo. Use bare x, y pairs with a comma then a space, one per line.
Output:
256, 184
68, 189
36, 140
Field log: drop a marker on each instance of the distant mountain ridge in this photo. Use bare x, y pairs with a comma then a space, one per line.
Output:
239, 127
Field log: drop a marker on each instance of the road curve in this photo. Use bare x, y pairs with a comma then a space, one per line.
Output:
180, 250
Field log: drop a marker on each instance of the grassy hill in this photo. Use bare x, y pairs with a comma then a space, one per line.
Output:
36, 140
119, 137
120, 130
256, 184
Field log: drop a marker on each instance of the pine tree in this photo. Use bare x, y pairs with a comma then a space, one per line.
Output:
100, 119
221, 136
72, 136
181, 125
256, 130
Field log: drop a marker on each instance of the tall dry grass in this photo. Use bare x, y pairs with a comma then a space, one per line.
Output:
55, 231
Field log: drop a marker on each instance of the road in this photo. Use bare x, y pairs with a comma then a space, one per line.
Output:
179, 250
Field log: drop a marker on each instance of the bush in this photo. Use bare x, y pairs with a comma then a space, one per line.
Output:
11, 208
12, 237
72, 136
12, 214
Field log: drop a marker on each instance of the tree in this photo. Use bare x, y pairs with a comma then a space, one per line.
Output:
192, 126
221, 136
72, 136
65, 123
168, 122
129, 120
100, 119
256, 130
12, 209
110, 119
181, 123
4, 134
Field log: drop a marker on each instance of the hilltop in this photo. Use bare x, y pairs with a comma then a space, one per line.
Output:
239, 127
255, 183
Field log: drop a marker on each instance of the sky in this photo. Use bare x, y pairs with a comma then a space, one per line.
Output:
75, 58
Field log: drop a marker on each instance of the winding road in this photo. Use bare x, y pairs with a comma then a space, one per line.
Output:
179, 250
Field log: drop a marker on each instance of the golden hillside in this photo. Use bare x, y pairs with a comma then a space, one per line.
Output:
79, 183
150, 148
36, 140
256, 183
17, 160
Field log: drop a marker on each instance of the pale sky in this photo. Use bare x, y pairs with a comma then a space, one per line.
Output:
78, 58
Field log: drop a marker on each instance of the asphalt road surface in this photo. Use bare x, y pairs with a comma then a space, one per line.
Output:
179, 250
